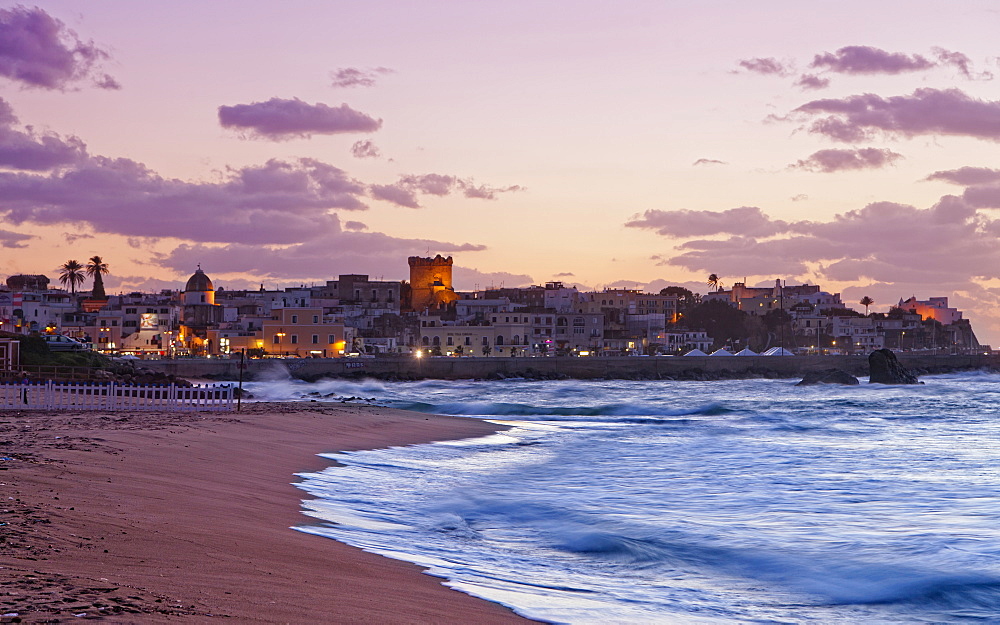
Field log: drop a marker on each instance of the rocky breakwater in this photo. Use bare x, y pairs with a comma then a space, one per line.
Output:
828, 376
140, 375
884, 368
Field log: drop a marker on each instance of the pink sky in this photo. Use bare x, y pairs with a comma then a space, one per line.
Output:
848, 144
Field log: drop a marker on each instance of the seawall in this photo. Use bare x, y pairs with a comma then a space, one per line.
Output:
634, 367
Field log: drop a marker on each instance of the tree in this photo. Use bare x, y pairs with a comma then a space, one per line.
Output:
685, 298
71, 272
866, 302
713, 281
722, 322
96, 268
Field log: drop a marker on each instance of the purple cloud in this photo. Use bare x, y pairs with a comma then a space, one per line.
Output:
812, 81
486, 192
404, 191
39, 51
869, 60
468, 278
279, 119
926, 112
32, 151
967, 176
960, 61
983, 196
829, 161
884, 241
747, 220
365, 149
430, 184
275, 203
708, 161
395, 194
766, 66
373, 252
356, 226
354, 77
14, 239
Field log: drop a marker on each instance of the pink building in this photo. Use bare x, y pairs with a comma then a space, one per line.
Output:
935, 308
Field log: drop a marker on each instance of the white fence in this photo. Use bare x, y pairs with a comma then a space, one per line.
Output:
111, 396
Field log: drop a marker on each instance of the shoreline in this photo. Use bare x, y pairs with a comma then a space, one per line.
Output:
165, 517
683, 368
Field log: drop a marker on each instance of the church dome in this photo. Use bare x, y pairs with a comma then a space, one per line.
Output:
199, 282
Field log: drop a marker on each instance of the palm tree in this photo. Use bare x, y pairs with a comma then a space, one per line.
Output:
96, 268
71, 272
713, 281
866, 302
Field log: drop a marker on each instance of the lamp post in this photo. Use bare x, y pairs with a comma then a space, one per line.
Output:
280, 335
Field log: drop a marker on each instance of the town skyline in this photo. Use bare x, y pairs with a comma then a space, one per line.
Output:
636, 147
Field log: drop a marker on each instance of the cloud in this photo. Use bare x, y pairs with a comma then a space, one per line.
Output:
801, 197
33, 151
565, 274
354, 77
765, 66
430, 184
278, 202
812, 81
358, 252
961, 62
355, 225
983, 196
870, 60
967, 176
486, 192
38, 50
925, 112
73, 237
365, 149
279, 119
746, 220
884, 241
404, 191
708, 161
394, 194
829, 161
466, 278
14, 239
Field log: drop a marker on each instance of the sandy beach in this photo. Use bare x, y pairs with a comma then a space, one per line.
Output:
186, 518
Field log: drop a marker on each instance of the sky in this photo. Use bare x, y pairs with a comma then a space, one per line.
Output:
639, 145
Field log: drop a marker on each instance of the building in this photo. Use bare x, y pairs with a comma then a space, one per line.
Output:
199, 313
935, 308
303, 332
430, 284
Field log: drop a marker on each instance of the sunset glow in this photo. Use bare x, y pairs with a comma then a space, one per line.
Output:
639, 146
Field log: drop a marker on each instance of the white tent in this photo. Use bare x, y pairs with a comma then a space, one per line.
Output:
721, 352
696, 352
746, 351
778, 351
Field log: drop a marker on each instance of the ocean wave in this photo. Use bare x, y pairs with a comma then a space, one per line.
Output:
504, 409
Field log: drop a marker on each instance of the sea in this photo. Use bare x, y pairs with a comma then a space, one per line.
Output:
750, 501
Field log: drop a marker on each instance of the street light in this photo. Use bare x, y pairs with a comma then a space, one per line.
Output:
280, 334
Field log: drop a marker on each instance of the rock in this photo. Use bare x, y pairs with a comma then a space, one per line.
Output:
828, 376
883, 368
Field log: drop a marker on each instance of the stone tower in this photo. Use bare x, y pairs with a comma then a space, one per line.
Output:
430, 283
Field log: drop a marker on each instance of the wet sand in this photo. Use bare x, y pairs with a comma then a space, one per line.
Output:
178, 517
